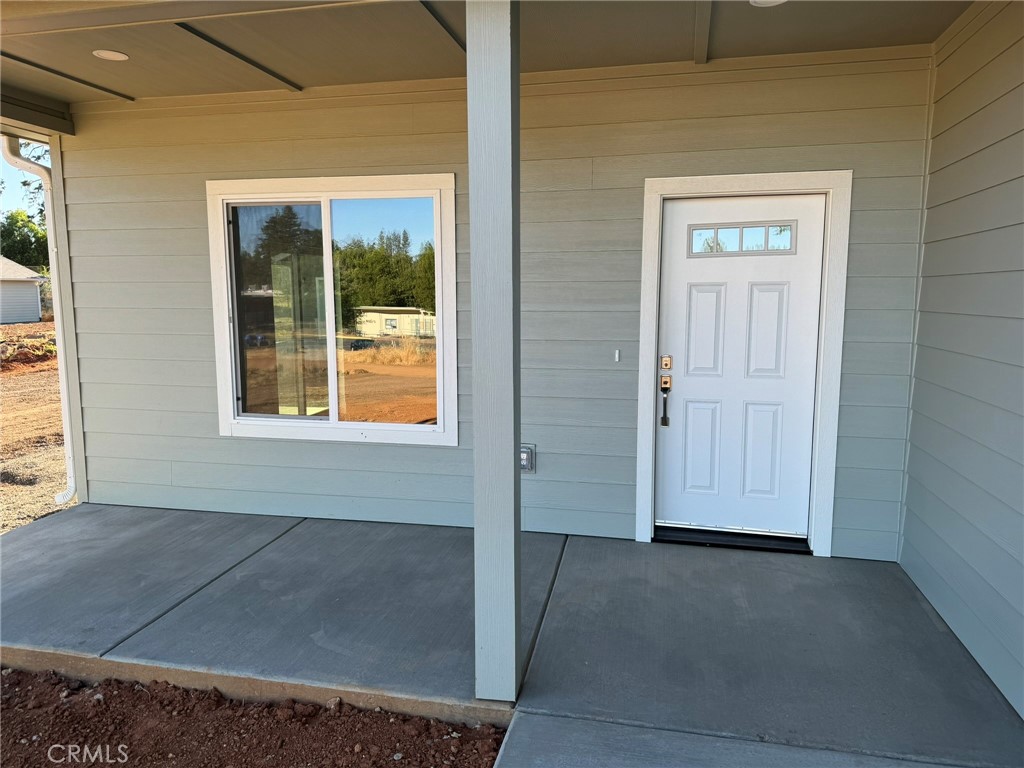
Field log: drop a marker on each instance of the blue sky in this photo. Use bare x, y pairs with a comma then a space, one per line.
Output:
13, 195
366, 218
350, 219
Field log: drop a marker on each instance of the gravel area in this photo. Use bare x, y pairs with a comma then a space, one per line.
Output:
28, 484
31, 439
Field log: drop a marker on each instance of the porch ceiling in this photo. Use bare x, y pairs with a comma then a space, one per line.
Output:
334, 43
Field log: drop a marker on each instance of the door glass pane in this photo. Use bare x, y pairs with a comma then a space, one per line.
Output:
729, 239
384, 297
703, 241
753, 238
279, 309
780, 237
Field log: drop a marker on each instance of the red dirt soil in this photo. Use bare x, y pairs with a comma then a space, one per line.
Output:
162, 725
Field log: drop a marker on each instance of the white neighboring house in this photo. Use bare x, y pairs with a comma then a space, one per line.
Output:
395, 321
19, 293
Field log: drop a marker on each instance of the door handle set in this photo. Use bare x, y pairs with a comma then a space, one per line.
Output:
665, 363
666, 387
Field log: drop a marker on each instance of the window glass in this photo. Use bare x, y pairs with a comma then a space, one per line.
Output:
780, 237
729, 239
753, 239
279, 309
385, 294
703, 241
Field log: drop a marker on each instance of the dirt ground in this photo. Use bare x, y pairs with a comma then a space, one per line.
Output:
390, 394
31, 437
49, 719
369, 390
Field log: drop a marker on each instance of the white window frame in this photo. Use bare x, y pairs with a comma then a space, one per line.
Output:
223, 193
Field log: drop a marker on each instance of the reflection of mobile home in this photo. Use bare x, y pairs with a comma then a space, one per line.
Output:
394, 321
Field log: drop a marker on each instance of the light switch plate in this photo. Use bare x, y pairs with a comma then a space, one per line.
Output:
527, 458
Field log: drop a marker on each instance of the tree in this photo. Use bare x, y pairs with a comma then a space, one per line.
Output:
383, 273
33, 185
22, 240
424, 293
282, 233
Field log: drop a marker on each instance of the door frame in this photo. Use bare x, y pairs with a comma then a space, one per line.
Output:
837, 187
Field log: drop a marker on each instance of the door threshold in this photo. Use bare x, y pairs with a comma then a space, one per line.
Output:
730, 539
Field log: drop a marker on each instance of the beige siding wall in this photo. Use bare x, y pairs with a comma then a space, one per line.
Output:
135, 192
964, 529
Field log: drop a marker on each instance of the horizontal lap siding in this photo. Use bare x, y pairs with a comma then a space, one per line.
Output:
19, 301
136, 211
964, 527
140, 263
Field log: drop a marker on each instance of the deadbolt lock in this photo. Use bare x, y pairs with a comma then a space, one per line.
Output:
666, 362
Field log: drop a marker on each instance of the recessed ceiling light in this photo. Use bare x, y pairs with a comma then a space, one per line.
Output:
106, 55
766, 3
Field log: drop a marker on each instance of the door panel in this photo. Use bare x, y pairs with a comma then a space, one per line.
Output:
700, 458
740, 293
706, 334
766, 329
762, 433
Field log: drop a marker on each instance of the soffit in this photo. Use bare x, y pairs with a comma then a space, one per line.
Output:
35, 80
740, 29
337, 46
336, 43
165, 61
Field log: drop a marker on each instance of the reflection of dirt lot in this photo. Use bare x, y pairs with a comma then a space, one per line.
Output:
398, 394
31, 443
264, 367
384, 385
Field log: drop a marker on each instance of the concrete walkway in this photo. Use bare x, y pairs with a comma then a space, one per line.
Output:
651, 655
258, 606
649, 651
543, 741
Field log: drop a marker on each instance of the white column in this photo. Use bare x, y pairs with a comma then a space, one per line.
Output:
492, 74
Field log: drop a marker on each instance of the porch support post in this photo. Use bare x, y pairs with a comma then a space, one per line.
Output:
492, 74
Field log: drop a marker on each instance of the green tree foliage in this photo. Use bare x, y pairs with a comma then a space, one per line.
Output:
282, 233
380, 272
22, 240
33, 185
383, 273
423, 280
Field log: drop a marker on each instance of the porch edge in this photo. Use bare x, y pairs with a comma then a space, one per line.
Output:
95, 669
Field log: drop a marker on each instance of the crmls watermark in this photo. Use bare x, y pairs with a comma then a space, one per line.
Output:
86, 754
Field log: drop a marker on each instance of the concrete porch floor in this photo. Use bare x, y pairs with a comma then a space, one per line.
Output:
646, 655
258, 606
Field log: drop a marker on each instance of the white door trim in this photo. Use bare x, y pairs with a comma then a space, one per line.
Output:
836, 186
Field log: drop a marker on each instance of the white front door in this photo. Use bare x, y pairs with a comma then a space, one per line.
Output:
740, 295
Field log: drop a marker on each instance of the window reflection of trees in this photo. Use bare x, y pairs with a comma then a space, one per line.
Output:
281, 309
383, 273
